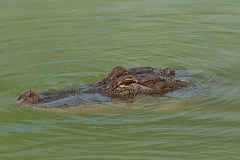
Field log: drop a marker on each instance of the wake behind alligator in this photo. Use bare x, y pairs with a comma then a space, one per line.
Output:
120, 84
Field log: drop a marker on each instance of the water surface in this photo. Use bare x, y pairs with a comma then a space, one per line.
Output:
54, 44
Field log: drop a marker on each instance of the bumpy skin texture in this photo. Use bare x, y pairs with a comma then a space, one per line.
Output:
118, 85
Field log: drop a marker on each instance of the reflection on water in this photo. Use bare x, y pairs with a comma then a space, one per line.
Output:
54, 44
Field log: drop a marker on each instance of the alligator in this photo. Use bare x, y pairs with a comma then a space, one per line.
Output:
119, 84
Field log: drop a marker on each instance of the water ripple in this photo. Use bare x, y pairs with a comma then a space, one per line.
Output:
56, 44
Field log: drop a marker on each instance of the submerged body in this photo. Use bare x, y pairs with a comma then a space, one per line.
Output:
118, 85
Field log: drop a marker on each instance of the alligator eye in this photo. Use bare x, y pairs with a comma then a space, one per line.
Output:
128, 81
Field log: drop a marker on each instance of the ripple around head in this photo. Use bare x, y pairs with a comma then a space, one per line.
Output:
40, 73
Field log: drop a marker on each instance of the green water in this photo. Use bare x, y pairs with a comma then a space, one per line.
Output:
48, 44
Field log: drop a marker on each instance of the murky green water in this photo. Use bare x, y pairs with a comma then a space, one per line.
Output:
46, 44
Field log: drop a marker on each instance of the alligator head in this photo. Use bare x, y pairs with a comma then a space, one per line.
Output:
121, 83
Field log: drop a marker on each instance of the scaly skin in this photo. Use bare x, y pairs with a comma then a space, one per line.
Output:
118, 85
